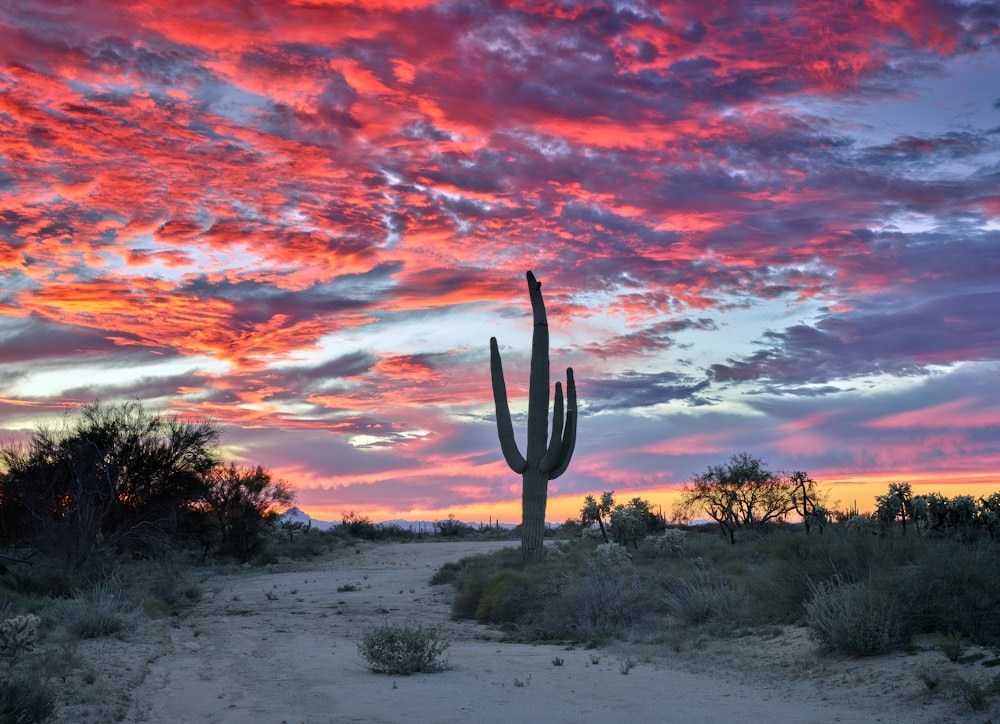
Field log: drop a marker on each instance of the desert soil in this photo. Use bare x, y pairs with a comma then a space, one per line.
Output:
279, 645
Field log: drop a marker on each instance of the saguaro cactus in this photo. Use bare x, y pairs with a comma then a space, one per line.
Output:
546, 459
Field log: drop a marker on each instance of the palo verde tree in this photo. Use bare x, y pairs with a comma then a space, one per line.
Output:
547, 457
740, 495
245, 501
114, 475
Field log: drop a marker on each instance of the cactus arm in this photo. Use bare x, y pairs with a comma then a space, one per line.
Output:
569, 435
555, 441
505, 427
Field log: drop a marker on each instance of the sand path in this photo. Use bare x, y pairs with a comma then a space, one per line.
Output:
281, 647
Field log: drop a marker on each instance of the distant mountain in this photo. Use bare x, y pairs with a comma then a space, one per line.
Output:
294, 515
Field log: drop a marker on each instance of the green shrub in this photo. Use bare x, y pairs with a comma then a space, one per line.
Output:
474, 574
448, 573
855, 618
926, 584
403, 650
506, 597
25, 701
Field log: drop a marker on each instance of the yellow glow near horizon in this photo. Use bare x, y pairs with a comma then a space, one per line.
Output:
841, 495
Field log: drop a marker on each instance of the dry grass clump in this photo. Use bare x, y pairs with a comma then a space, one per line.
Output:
101, 611
702, 595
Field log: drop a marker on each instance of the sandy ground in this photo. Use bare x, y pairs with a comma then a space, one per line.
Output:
280, 646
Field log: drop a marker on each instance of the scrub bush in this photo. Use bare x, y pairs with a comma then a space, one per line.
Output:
25, 701
855, 618
702, 595
402, 650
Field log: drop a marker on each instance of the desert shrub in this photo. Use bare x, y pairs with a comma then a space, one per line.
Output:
633, 521
356, 525
601, 598
612, 554
102, 611
702, 595
474, 574
861, 525
394, 531
452, 528
52, 577
953, 587
515, 595
299, 542
447, 573
671, 542
402, 649
854, 618
25, 701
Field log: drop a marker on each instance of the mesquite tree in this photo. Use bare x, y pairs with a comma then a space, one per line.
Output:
547, 457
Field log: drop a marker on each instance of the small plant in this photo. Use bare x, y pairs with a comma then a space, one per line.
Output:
347, 588
626, 666
930, 677
951, 645
595, 659
56, 663
557, 661
518, 683
973, 694
403, 650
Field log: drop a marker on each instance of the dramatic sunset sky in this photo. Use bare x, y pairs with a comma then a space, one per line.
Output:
770, 227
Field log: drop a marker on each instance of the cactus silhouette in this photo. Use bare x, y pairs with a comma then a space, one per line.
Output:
545, 459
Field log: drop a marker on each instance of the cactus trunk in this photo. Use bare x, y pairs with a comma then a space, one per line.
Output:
546, 459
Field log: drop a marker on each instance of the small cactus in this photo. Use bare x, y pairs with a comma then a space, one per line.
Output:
18, 635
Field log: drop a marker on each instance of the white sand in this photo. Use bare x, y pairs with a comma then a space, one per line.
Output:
281, 647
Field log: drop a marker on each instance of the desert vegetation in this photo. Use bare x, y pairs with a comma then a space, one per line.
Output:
111, 520
116, 517
402, 649
862, 585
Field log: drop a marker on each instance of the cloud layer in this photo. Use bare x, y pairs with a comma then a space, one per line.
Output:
771, 227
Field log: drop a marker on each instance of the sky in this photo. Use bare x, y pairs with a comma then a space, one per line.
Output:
760, 226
